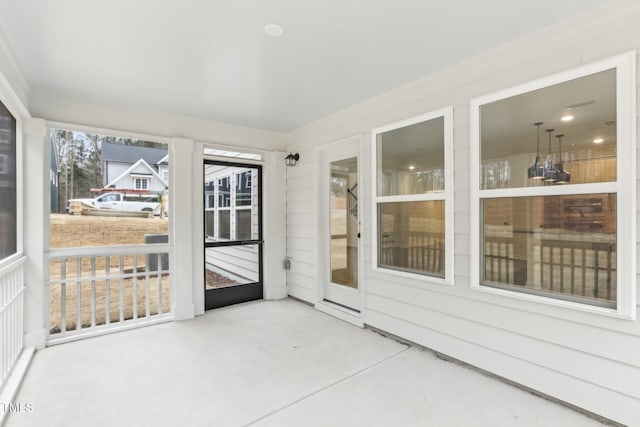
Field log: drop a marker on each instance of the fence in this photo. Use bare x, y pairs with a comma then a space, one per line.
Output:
94, 290
11, 316
583, 269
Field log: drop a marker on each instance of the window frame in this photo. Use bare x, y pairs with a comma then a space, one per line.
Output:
446, 196
19, 202
624, 187
142, 180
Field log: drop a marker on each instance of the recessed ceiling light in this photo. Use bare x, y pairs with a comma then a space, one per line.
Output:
567, 118
411, 167
274, 30
598, 141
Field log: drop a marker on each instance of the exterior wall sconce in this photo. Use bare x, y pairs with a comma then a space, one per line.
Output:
291, 159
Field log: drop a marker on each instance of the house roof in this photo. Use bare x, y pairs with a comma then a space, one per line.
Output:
132, 153
133, 167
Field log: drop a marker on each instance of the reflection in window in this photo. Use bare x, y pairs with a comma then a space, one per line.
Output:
8, 193
411, 237
243, 224
413, 189
224, 225
224, 192
410, 159
560, 245
560, 134
243, 189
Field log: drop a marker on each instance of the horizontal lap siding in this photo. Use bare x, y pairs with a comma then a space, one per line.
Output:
302, 229
586, 359
241, 261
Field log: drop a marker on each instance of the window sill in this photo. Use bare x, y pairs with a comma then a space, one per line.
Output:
570, 305
414, 276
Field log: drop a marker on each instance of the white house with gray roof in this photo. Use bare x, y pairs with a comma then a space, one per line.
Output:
132, 167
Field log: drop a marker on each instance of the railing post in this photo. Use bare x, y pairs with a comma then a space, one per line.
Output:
182, 217
36, 236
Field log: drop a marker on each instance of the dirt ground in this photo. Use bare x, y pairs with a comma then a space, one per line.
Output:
72, 231
118, 282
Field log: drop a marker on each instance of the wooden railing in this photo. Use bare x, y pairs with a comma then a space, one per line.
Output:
95, 290
577, 268
418, 251
11, 317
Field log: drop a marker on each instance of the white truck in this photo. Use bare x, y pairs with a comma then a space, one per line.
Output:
118, 201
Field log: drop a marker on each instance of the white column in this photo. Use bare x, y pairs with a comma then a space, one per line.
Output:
36, 193
197, 243
181, 220
274, 223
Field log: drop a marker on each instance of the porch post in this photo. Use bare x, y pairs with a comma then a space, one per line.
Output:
181, 214
37, 165
274, 225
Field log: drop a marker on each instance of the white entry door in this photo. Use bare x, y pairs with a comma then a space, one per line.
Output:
341, 230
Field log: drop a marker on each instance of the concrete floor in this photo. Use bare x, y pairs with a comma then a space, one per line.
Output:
275, 363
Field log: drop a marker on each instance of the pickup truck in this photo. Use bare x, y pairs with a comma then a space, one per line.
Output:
118, 201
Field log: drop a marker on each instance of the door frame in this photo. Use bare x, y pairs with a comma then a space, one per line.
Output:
353, 316
246, 292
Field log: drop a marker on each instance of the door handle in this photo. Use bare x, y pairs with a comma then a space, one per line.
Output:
252, 242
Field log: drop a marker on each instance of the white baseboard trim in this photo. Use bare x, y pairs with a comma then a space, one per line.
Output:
342, 313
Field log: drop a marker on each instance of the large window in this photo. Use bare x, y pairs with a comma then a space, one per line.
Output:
8, 183
412, 197
550, 160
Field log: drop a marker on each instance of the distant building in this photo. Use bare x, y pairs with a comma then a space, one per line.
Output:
130, 167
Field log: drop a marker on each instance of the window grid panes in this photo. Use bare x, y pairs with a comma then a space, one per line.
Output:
548, 171
141, 184
412, 189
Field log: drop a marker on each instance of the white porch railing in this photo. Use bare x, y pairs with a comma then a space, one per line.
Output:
97, 290
11, 316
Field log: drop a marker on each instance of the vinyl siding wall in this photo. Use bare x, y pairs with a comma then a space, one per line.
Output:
586, 359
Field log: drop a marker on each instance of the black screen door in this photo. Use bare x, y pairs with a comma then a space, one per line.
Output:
232, 233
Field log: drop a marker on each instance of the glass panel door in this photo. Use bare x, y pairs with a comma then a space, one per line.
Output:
233, 233
344, 222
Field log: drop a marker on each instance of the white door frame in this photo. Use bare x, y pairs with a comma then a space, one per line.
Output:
351, 146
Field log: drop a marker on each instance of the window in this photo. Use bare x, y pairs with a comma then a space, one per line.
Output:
549, 160
8, 185
84, 162
224, 225
413, 203
243, 189
224, 192
141, 183
165, 176
243, 224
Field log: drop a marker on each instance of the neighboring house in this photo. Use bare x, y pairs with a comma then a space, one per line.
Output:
130, 167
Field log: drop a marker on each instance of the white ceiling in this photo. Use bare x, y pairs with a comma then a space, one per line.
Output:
211, 59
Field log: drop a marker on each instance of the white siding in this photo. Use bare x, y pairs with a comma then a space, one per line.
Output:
586, 359
239, 260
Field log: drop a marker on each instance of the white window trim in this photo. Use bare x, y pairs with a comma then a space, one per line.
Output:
446, 196
142, 179
624, 187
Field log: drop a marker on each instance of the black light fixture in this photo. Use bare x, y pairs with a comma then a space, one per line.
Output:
291, 159
549, 173
562, 175
536, 170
